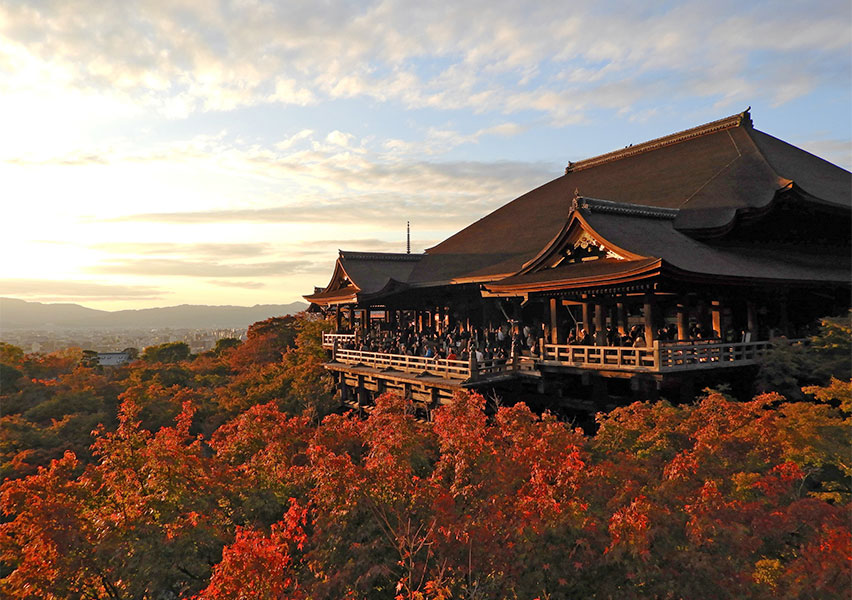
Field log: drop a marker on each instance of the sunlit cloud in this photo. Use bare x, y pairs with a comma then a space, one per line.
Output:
46, 289
228, 149
188, 268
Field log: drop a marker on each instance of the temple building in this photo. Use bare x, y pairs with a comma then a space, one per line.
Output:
655, 266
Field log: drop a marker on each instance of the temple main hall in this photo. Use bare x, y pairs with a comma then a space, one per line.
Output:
642, 272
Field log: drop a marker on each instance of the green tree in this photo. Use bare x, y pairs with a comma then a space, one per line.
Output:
170, 352
790, 366
225, 344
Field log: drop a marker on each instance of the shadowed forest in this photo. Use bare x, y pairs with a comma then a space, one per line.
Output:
234, 474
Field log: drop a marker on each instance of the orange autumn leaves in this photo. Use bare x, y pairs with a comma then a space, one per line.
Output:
713, 500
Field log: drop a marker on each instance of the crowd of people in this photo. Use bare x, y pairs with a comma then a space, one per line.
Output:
499, 342
454, 344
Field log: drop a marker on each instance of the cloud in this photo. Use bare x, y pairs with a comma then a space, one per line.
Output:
48, 289
837, 151
190, 268
483, 55
339, 138
200, 250
251, 285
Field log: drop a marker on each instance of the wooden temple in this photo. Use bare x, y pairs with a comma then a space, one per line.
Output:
721, 229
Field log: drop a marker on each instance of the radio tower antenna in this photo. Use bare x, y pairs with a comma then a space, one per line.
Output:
408, 237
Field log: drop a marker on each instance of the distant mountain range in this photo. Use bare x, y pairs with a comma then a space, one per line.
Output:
20, 314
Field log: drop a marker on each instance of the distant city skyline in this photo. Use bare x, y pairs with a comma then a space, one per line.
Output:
156, 154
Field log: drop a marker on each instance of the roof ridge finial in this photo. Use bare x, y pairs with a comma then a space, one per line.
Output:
576, 200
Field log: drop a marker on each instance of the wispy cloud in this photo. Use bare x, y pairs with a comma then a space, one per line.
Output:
500, 56
251, 285
77, 290
201, 250
190, 268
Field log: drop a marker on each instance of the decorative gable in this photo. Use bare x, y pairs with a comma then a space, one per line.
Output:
586, 248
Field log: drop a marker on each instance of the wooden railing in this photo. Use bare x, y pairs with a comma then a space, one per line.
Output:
661, 357
342, 338
602, 357
441, 367
687, 356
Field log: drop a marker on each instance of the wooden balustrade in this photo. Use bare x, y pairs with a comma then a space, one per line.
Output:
453, 369
342, 338
661, 357
603, 357
688, 356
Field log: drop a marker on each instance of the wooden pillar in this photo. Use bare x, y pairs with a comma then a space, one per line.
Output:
365, 319
621, 310
784, 316
751, 317
600, 325
716, 317
554, 323
650, 333
362, 392
337, 318
587, 314
704, 318
683, 318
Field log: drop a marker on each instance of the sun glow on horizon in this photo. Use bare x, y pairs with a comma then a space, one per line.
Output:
145, 168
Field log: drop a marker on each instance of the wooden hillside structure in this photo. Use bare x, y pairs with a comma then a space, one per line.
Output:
722, 227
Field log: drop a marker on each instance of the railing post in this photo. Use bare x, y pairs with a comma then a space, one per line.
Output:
657, 363
472, 366
334, 350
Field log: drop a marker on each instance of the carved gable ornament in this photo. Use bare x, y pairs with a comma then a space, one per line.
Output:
587, 248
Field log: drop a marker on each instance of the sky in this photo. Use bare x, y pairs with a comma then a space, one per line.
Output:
164, 152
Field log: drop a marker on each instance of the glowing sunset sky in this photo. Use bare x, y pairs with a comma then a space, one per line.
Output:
176, 151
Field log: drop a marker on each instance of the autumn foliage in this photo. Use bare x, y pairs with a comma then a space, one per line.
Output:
222, 480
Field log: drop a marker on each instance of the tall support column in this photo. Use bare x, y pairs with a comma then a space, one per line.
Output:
650, 333
337, 318
703, 314
784, 316
621, 310
683, 317
554, 323
365, 319
600, 325
751, 317
716, 317
587, 313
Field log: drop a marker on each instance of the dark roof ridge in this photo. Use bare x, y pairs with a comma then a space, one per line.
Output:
395, 256
599, 205
738, 120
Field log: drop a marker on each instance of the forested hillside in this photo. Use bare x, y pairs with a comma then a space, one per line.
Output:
233, 474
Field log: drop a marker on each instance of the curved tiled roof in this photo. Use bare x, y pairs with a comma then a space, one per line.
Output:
710, 173
659, 200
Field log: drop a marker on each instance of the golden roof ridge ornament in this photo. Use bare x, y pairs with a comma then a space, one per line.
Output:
577, 201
